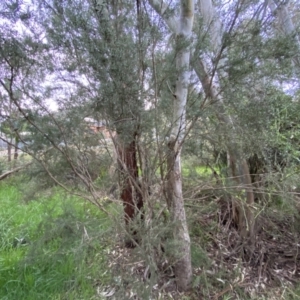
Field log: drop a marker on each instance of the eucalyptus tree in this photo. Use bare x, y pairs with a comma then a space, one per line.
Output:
233, 51
259, 64
183, 268
213, 91
114, 62
243, 74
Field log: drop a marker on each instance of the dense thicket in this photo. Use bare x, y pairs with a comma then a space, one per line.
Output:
93, 87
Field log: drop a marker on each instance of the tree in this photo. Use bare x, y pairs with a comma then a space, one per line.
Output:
117, 79
115, 63
183, 267
238, 165
12, 65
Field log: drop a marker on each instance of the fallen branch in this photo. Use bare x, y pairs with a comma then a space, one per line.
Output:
6, 174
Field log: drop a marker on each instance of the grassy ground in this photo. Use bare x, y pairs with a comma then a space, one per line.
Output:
56, 247
52, 247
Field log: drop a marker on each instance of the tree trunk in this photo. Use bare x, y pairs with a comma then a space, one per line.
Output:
6, 174
9, 152
237, 163
130, 189
182, 267
240, 173
16, 154
213, 92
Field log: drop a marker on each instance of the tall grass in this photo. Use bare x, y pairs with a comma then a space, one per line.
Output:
51, 247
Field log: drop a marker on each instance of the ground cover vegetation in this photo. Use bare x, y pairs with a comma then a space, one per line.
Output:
47, 244
150, 149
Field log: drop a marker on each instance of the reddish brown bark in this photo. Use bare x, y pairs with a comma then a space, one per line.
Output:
130, 190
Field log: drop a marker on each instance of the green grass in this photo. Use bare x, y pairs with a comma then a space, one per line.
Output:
191, 168
195, 170
57, 261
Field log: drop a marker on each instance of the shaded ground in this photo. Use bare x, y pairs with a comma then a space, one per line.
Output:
81, 252
270, 270
270, 267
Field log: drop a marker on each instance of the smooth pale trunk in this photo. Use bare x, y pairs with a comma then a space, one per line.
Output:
182, 266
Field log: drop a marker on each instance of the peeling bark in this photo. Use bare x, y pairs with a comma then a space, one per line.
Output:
130, 190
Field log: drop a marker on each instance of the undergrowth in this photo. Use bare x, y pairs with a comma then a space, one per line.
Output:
52, 247
55, 246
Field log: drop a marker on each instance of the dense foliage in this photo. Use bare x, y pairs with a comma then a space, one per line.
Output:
103, 99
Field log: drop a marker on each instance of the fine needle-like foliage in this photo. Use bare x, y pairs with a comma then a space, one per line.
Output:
177, 120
